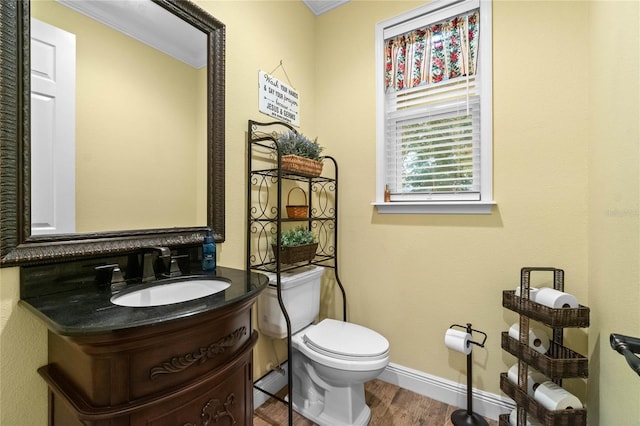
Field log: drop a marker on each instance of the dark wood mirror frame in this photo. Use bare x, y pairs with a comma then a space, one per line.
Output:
17, 246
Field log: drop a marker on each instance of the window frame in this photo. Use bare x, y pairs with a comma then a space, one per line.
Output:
436, 11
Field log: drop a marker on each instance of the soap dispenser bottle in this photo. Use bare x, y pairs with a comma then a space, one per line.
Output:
208, 253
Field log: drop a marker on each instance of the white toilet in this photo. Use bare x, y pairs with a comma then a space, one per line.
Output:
331, 360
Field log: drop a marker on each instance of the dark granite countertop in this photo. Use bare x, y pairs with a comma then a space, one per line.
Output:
88, 310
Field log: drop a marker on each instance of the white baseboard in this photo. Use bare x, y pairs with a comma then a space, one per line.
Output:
484, 403
271, 382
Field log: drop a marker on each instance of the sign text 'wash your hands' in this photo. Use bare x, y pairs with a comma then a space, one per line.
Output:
278, 100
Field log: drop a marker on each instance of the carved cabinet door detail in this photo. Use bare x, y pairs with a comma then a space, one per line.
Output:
219, 403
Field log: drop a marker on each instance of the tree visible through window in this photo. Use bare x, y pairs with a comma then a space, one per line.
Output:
437, 154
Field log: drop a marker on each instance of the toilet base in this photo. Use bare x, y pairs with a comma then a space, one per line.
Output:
323, 419
330, 391
323, 403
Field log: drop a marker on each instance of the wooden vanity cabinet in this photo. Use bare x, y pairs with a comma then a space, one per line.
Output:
187, 372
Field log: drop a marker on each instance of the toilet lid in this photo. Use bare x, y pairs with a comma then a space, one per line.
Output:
346, 340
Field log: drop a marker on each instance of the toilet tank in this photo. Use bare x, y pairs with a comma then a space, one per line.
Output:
301, 297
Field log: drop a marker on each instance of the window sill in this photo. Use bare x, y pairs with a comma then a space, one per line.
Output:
434, 207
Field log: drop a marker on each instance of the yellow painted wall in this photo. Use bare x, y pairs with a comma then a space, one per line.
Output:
410, 277
260, 34
614, 207
23, 349
137, 118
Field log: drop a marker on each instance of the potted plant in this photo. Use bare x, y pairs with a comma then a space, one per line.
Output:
300, 154
296, 245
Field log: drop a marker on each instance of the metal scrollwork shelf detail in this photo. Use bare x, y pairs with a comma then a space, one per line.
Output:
177, 364
209, 411
268, 184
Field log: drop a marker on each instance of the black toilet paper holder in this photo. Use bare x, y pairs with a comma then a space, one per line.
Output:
470, 330
468, 417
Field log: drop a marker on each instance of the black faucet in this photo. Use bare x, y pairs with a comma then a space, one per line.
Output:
149, 255
110, 275
627, 346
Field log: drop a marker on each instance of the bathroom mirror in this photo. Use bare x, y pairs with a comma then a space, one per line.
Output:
18, 245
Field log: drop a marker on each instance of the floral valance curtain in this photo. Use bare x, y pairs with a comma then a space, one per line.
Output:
434, 53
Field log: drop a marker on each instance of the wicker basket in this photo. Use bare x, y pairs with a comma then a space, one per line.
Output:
503, 420
552, 317
577, 417
301, 165
297, 211
558, 362
295, 254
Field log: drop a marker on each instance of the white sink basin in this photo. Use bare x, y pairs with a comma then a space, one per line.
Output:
167, 294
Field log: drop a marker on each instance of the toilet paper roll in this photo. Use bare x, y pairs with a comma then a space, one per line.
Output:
538, 339
534, 378
458, 341
513, 419
532, 292
555, 299
553, 397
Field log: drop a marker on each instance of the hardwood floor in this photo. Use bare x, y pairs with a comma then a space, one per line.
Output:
390, 405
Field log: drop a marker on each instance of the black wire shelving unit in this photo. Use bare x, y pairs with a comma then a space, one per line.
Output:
267, 218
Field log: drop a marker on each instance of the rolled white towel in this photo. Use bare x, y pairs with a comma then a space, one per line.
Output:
538, 338
532, 292
534, 378
555, 299
513, 419
553, 397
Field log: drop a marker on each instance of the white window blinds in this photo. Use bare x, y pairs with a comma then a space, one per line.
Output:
433, 148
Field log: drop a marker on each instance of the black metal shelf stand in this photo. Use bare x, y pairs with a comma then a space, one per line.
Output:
265, 218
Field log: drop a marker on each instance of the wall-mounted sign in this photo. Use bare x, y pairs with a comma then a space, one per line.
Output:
278, 100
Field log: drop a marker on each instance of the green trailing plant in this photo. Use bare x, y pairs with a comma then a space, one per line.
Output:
295, 237
294, 143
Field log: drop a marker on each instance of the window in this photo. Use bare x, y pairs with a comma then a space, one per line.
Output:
434, 109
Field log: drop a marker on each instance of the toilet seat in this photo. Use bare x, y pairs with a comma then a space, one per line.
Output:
343, 345
345, 340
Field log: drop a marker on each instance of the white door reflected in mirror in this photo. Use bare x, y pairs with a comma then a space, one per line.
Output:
53, 171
